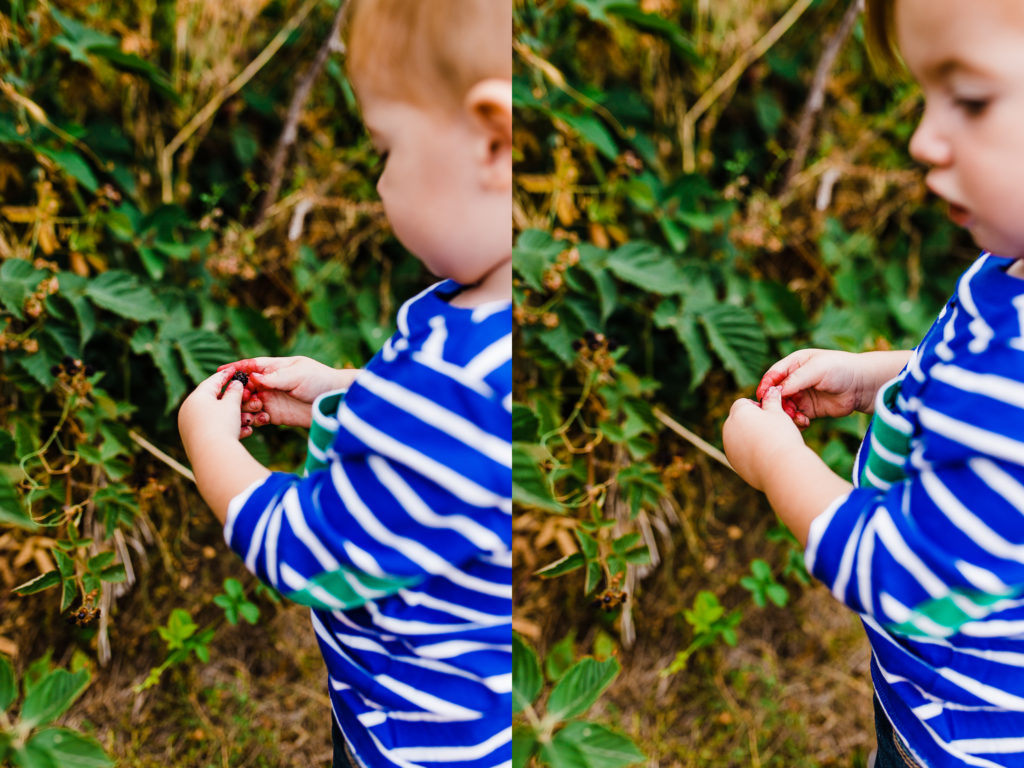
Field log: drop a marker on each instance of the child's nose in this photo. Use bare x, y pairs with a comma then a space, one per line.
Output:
929, 145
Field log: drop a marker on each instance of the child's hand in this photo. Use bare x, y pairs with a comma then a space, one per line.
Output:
824, 382
207, 415
287, 387
757, 437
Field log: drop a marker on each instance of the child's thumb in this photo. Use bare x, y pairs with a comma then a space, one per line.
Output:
233, 392
772, 400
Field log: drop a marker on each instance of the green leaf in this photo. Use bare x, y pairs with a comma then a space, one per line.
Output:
593, 131
594, 574
526, 677
535, 251
601, 747
671, 32
580, 687
179, 628
121, 293
560, 657
12, 510
524, 744
8, 448
18, 279
71, 749
101, 561
245, 144
131, 63
564, 565
626, 542
561, 754
250, 612
647, 266
529, 484
8, 688
73, 164
113, 574
769, 111
588, 544
525, 424
737, 338
778, 594
39, 583
202, 351
50, 697
233, 588
145, 342
34, 756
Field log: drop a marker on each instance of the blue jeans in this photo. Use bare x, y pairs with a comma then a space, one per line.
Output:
891, 752
341, 748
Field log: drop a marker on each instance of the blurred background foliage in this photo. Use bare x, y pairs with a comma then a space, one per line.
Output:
702, 187
180, 187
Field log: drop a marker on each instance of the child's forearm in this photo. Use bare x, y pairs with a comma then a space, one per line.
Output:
223, 469
883, 366
801, 487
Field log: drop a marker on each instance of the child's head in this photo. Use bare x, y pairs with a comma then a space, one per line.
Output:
969, 61
434, 82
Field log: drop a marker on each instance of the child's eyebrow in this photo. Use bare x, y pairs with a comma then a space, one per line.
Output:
953, 65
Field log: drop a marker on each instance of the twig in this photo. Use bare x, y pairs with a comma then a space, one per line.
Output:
208, 111
730, 76
38, 114
816, 96
181, 469
690, 437
552, 73
291, 123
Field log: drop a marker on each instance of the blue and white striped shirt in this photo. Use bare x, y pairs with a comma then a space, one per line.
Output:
929, 546
402, 542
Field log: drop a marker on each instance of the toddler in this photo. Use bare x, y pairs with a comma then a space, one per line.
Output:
399, 536
927, 545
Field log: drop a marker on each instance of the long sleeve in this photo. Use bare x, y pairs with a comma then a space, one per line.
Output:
416, 482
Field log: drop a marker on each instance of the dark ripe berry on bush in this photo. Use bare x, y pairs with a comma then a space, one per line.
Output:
56, 370
241, 376
612, 345
589, 335
594, 344
89, 370
577, 344
67, 361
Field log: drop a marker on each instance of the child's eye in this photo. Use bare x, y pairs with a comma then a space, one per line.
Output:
970, 106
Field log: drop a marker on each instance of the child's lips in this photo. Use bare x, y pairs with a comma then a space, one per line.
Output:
959, 215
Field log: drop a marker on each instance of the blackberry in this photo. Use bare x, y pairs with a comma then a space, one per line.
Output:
241, 376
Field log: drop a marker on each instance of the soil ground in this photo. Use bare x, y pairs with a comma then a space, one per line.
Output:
795, 691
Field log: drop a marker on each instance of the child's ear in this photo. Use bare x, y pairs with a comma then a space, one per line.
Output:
489, 106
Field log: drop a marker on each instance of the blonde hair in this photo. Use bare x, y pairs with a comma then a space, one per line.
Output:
427, 52
880, 35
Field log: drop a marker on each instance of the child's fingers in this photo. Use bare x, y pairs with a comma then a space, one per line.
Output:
244, 432
772, 400
741, 405
252, 405
233, 394
214, 383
